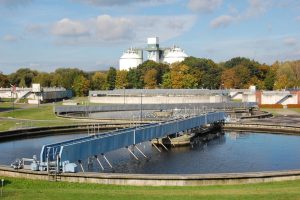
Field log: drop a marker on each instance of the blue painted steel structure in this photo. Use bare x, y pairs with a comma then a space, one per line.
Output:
82, 148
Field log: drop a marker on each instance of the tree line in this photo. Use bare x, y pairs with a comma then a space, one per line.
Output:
238, 73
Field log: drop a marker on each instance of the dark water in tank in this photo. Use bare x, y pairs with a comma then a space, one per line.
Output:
232, 152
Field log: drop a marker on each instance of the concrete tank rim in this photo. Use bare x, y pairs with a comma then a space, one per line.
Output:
161, 179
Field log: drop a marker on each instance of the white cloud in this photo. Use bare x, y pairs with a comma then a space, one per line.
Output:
290, 41
105, 28
109, 28
255, 8
9, 38
67, 27
222, 21
204, 6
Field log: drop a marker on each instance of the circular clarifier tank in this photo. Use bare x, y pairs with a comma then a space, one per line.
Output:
230, 152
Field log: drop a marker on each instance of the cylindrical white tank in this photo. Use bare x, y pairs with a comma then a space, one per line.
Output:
175, 54
130, 59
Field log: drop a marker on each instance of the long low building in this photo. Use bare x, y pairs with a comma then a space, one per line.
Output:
158, 96
185, 96
35, 97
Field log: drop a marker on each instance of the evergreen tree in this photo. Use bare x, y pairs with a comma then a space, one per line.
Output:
111, 78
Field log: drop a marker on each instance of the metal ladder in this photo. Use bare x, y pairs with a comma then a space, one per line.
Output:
53, 169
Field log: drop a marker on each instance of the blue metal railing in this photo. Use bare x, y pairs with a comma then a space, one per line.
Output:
82, 148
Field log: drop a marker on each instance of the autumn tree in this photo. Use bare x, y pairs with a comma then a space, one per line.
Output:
260, 85
22, 83
66, 76
229, 78
242, 76
263, 70
281, 82
4, 82
57, 80
181, 78
150, 79
237, 77
289, 72
81, 86
44, 79
296, 71
206, 71
23, 77
241, 61
121, 79
160, 68
99, 81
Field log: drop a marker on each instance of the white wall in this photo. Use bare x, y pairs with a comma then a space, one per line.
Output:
158, 99
275, 97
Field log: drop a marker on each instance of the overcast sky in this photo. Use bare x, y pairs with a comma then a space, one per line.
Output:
92, 34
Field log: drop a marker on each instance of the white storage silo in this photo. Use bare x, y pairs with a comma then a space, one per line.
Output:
174, 54
131, 59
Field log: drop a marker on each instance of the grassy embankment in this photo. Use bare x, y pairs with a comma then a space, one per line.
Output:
29, 189
29, 117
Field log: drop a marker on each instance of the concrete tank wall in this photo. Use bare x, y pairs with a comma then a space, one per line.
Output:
158, 99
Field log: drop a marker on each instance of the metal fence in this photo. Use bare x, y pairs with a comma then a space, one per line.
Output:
132, 107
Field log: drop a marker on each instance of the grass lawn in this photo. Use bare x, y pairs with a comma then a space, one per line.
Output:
37, 114
17, 124
32, 189
40, 113
7, 105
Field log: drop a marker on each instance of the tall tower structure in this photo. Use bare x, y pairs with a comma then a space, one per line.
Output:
153, 49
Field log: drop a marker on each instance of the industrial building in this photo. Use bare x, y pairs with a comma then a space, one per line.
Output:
36, 94
188, 96
134, 56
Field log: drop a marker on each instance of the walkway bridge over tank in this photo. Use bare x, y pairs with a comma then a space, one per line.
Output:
79, 149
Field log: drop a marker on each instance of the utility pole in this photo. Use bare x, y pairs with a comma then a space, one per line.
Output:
38, 98
141, 117
13, 91
124, 94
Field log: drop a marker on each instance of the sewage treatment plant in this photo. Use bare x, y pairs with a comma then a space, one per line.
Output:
177, 142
